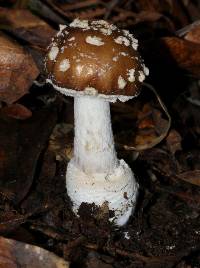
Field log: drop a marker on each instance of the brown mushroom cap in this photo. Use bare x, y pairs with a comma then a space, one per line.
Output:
95, 58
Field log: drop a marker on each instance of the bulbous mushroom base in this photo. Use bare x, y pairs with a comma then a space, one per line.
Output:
118, 189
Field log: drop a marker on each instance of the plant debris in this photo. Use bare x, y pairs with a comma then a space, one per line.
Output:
17, 70
15, 254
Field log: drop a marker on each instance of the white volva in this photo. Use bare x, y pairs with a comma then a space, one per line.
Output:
94, 174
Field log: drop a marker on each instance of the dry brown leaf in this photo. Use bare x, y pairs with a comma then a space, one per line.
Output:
10, 220
179, 14
192, 176
17, 70
193, 11
14, 254
173, 141
186, 54
61, 141
190, 32
17, 111
85, 10
21, 144
78, 5
194, 34
23, 24
143, 16
150, 128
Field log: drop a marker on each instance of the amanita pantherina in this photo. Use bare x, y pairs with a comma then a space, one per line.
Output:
97, 63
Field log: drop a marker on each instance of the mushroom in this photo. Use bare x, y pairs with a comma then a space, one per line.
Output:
97, 63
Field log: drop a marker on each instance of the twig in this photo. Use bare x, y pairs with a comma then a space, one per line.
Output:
134, 255
110, 7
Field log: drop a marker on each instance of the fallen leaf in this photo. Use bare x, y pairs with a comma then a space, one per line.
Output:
94, 260
192, 176
61, 141
10, 221
194, 34
89, 10
160, 161
44, 10
43, 196
184, 53
24, 25
14, 254
193, 11
143, 16
17, 70
21, 143
190, 32
187, 109
144, 126
173, 141
17, 111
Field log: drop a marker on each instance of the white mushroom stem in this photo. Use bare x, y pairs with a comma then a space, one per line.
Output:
93, 144
94, 174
